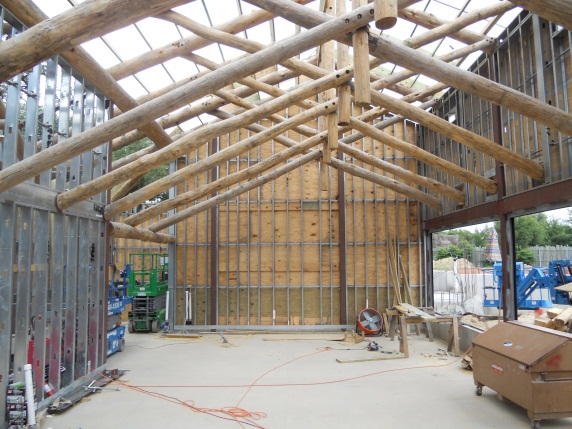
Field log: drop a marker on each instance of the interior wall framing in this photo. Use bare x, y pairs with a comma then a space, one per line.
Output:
53, 301
278, 246
534, 57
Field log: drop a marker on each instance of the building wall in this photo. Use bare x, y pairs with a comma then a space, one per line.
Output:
277, 247
534, 58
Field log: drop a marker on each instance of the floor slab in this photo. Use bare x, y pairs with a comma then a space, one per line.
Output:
284, 381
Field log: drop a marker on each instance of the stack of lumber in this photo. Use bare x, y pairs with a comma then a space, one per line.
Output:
556, 318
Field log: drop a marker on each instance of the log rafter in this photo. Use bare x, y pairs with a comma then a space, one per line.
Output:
154, 113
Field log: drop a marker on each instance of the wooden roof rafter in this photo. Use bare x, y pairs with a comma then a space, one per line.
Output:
180, 101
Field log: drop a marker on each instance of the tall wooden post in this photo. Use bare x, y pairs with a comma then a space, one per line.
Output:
344, 91
360, 41
385, 14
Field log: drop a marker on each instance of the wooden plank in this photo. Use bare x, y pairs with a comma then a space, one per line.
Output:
409, 309
384, 356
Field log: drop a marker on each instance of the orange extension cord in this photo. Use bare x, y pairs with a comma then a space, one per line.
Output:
242, 416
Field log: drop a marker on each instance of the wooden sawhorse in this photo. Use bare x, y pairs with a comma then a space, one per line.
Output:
398, 322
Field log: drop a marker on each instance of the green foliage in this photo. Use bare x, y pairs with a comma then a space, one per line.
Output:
150, 176
531, 231
451, 251
467, 240
559, 233
526, 256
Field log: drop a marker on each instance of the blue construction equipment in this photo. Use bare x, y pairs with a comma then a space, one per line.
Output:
116, 303
535, 288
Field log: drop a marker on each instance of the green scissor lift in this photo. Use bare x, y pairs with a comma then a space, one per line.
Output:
148, 286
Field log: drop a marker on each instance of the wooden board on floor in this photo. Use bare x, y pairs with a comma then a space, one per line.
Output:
384, 356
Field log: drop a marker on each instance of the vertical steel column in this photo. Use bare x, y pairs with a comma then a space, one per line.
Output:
214, 245
70, 298
96, 283
7, 247
508, 294
40, 283
57, 263
82, 302
430, 286
23, 295
541, 88
343, 243
172, 283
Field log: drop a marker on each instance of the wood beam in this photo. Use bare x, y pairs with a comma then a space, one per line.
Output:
558, 11
236, 149
461, 135
120, 230
71, 28
460, 23
174, 119
394, 185
424, 156
92, 138
416, 61
30, 14
430, 21
403, 173
189, 44
202, 134
233, 193
230, 180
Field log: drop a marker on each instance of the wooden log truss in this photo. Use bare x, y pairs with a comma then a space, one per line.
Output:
329, 90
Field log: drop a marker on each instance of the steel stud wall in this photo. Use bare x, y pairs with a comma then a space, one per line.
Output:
53, 294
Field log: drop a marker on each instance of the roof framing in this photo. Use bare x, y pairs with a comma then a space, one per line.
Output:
221, 90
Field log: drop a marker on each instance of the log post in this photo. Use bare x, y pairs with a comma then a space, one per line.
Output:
360, 42
70, 28
344, 91
385, 14
120, 230
326, 62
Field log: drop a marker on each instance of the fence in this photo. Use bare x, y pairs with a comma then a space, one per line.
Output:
543, 254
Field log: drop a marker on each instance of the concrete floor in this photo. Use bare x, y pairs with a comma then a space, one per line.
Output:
301, 385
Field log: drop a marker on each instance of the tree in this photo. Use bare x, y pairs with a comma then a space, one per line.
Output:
530, 231
559, 233
451, 251
150, 176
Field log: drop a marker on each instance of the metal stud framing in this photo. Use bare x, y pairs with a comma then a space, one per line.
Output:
52, 264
